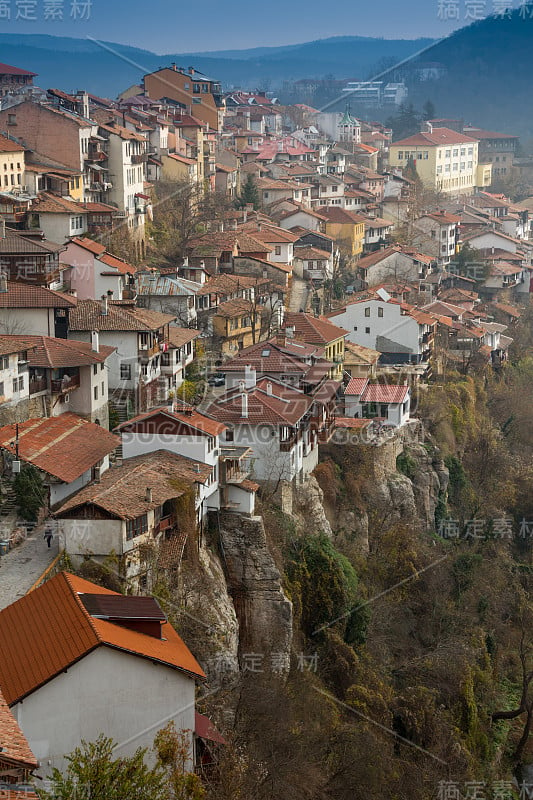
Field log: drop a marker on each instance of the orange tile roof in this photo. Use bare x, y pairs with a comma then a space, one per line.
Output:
439, 136
51, 353
25, 295
185, 414
356, 386
314, 330
9, 146
89, 244
14, 745
65, 446
49, 629
118, 263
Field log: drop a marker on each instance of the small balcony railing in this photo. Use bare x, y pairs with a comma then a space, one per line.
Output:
63, 385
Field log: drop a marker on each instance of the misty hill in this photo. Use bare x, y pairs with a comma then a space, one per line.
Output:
489, 67
106, 68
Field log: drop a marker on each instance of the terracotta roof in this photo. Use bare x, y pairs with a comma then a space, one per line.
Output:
444, 218
12, 344
311, 254
384, 393
88, 317
351, 422
121, 490
266, 357
358, 354
188, 415
23, 243
46, 203
25, 295
51, 353
177, 337
213, 243
65, 446
89, 244
117, 263
356, 386
7, 69
13, 744
9, 146
315, 330
284, 406
224, 284
204, 728
439, 136
49, 629
342, 216
270, 233
507, 309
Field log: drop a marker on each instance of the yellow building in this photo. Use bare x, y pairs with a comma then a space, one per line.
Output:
318, 331
11, 165
237, 324
346, 228
445, 160
199, 94
178, 168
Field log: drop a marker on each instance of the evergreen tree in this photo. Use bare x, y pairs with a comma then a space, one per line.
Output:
250, 193
428, 110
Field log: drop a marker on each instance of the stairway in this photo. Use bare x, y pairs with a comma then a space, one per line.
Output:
122, 414
9, 501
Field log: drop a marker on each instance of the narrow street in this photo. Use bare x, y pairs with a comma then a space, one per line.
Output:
22, 566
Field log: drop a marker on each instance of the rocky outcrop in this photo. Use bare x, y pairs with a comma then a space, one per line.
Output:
263, 611
308, 508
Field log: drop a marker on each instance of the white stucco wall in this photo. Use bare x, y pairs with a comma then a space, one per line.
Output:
124, 696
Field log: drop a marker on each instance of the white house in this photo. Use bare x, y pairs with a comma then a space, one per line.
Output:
376, 321
95, 272
81, 660
68, 450
27, 309
272, 419
58, 217
388, 402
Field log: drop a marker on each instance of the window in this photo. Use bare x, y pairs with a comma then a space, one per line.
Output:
334, 188
15, 384
21, 383
205, 88
463, 151
439, 170
103, 389
136, 527
2, 388
229, 435
367, 330
355, 327
196, 88
95, 369
277, 249
367, 311
380, 312
448, 153
5, 362
400, 155
102, 367
456, 152
96, 392
125, 372
196, 101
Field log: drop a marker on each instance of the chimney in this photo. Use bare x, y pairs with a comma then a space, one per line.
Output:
105, 305
173, 65
191, 70
269, 387
249, 376
95, 342
280, 339
83, 104
290, 331
149, 495
3, 283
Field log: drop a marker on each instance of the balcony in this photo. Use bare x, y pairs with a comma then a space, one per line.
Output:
37, 385
65, 384
148, 351
138, 158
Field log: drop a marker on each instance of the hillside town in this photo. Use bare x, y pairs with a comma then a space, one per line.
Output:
202, 292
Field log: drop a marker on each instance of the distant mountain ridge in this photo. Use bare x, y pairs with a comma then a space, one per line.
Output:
106, 68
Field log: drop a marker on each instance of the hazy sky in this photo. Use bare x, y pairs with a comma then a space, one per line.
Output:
165, 26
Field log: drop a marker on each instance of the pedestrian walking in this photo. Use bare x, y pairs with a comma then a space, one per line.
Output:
48, 535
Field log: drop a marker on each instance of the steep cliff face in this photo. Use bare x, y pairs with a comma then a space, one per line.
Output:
263, 611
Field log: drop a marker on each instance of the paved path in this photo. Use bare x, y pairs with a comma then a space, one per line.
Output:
22, 566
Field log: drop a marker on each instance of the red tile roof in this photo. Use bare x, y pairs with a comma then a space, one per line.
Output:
9, 146
89, 244
7, 69
88, 317
46, 203
117, 494
285, 406
49, 629
13, 744
356, 386
25, 295
439, 136
51, 353
314, 330
384, 393
342, 216
65, 446
188, 415
118, 263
